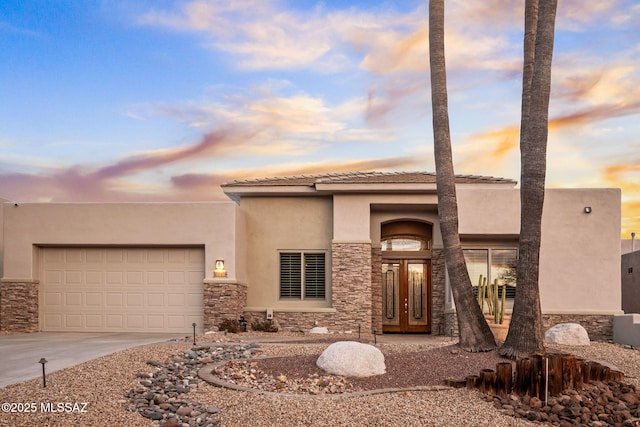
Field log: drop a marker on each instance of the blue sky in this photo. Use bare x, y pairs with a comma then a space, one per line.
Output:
116, 100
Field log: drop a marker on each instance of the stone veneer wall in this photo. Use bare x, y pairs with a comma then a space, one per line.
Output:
19, 306
451, 324
438, 292
223, 301
376, 289
599, 327
296, 321
351, 285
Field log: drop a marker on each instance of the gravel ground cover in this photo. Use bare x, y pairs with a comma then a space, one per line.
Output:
104, 383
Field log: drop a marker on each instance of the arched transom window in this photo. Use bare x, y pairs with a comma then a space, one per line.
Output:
406, 236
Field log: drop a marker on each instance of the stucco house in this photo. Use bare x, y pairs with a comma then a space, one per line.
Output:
344, 250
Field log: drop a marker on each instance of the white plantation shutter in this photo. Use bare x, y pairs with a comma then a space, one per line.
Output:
290, 275
314, 275
303, 275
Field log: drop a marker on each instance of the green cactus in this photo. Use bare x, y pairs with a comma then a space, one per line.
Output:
490, 293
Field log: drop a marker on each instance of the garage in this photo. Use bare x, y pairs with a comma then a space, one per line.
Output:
121, 289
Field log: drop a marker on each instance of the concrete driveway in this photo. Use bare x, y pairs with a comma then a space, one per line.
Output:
20, 353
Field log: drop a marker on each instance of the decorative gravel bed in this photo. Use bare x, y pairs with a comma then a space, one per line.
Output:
105, 382
406, 369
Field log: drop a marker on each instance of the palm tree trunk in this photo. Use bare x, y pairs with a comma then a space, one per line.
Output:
525, 331
475, 334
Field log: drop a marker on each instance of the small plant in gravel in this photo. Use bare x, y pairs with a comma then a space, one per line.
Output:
264, 326
230, 325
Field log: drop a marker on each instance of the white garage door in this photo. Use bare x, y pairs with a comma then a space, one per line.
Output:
121, 289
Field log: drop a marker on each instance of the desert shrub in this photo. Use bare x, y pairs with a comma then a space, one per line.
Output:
230, 325
264, 326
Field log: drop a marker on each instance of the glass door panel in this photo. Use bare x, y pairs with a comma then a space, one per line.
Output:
417, 310
391, 294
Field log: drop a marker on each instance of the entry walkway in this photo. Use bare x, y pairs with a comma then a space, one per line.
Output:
20, 353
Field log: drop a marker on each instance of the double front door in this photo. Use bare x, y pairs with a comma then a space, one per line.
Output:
406, 296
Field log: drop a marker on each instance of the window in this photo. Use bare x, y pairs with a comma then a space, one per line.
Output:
302, 275
405, 243
493, 264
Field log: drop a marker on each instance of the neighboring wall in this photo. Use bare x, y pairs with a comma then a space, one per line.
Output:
30, 225
631, 282
630, 245
2, 202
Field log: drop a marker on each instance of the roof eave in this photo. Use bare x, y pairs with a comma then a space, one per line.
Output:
236, 192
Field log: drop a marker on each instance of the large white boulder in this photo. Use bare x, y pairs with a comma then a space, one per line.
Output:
319, 330
352, 359
567, 334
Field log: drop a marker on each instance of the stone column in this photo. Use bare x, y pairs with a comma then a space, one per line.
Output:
19, 306
376, 288
351, 285
223, 299
438, 293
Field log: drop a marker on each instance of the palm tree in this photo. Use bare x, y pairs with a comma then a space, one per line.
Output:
525, 331
475, 334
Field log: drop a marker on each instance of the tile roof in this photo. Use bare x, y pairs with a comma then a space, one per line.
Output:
365, 178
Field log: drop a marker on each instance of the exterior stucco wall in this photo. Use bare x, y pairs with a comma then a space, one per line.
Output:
631, 282
276, 224
429, 215
488, 212
580, 252
30, 225
352, 214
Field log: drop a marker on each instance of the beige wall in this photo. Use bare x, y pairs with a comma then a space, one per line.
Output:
489, 212
280, 223
580, 252
351, 213
212, 225
579, 266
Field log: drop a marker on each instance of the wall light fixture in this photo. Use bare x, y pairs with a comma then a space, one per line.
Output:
220, 270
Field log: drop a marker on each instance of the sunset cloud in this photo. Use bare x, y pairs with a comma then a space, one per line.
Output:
184, 95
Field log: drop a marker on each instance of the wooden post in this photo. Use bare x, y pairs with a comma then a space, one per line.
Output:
586, 372
488, 381
523, 376
578, 374
614, 376
555, 374
504, 378
599, 372
537, 376
568, 368
473, 382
